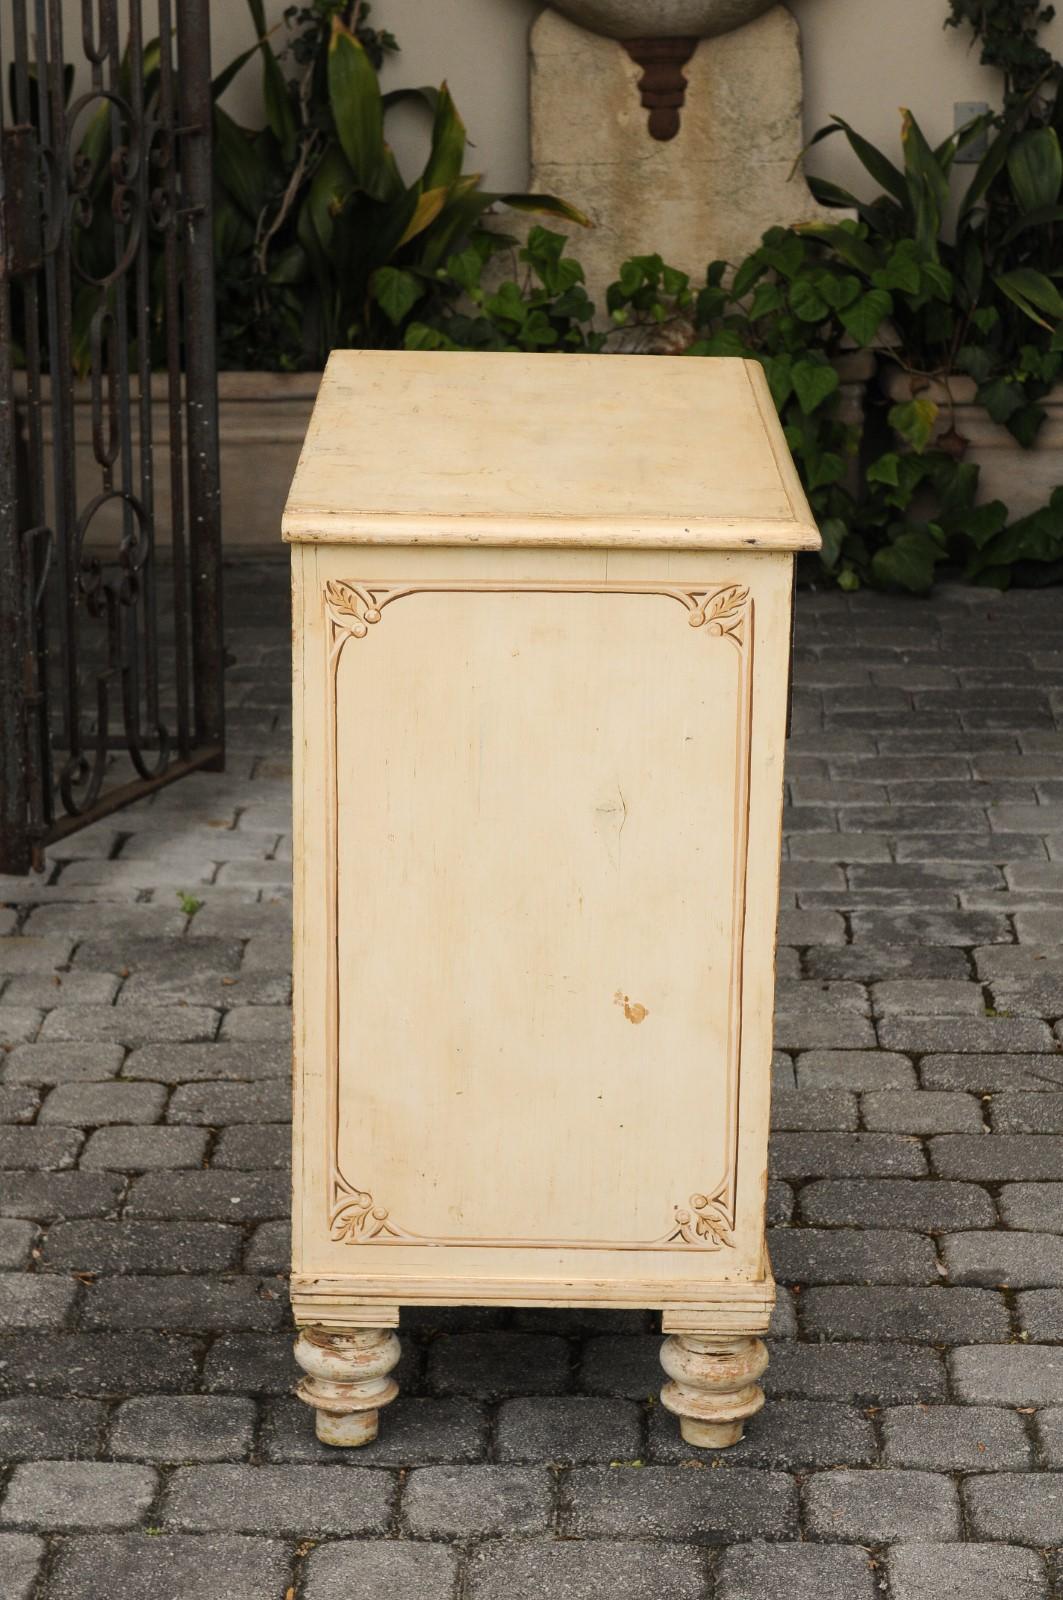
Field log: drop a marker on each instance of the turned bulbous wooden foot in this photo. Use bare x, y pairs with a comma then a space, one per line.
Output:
347, 1380
713, 1386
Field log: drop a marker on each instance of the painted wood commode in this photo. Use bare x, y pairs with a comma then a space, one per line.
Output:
541, 635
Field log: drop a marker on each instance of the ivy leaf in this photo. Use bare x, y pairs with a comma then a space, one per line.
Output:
909, 562
1001, 398
769, 297
833, 533
814, 382
396, 292
779, 371
914, 420
823, 469
806, 301
862, 320
885, 469
839, 292
985, 522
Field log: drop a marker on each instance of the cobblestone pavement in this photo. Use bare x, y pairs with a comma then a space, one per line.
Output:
912, 1445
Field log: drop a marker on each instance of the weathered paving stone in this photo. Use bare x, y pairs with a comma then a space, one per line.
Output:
789, 1434
20, 955
300, 1502
188, 1063
17, 1238
19, 1025
998, 1157
1027, 1113
927, 997
847, 1155
1016, 961
216, 1104
270, 1249
21, 1555
991, 1074
622, 1364
171, 957
958, 1572
456, 1502
182, 1428
598, 1569
178, 1303
780, 1206
34, 1301
868, 963
680, 1502
89, 1246
1040, 1313
63, 1063
1020, 1260
19, 1102
418, 1430
137, 1566
36, 1429
250, 1363
142, 1149
209, 1196
48, 990
77, 1494
96, 1364
876, 1507
927, 1206
933, 1315
795, 1572
930, 927
814, 1110
843, 1255
958, 1035
854, 1069
379, 1569
921, 1112
498, 1365
860, 1374
955, 1438
45, 1196
89, 1105
1021, 1507
39, 1147
130, 1025
254, 1149
1007, 1375
568, 1428
1048, 1425
1036, 1206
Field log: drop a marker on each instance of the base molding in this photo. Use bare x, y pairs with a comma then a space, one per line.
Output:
360, 1302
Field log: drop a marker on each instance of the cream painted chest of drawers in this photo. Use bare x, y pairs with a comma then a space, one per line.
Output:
541, 635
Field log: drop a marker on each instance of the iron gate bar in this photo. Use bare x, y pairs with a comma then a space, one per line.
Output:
69, 614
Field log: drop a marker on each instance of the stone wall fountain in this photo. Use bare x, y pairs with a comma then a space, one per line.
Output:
675, 124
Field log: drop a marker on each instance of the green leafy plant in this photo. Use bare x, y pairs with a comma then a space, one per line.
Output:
543, 304
983, 303
320, 240
1008, 33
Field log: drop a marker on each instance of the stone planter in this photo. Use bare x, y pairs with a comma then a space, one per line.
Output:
262, 422
1023, 479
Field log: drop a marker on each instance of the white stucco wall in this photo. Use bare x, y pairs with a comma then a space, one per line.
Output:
863, 60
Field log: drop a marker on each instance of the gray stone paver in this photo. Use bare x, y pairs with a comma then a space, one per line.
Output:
915, 1410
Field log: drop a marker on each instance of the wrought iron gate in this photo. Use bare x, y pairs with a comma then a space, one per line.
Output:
110, 574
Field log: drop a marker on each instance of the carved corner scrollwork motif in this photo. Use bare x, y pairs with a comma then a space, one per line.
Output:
707, 1221
704, 1221
351, 608
355, 1217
